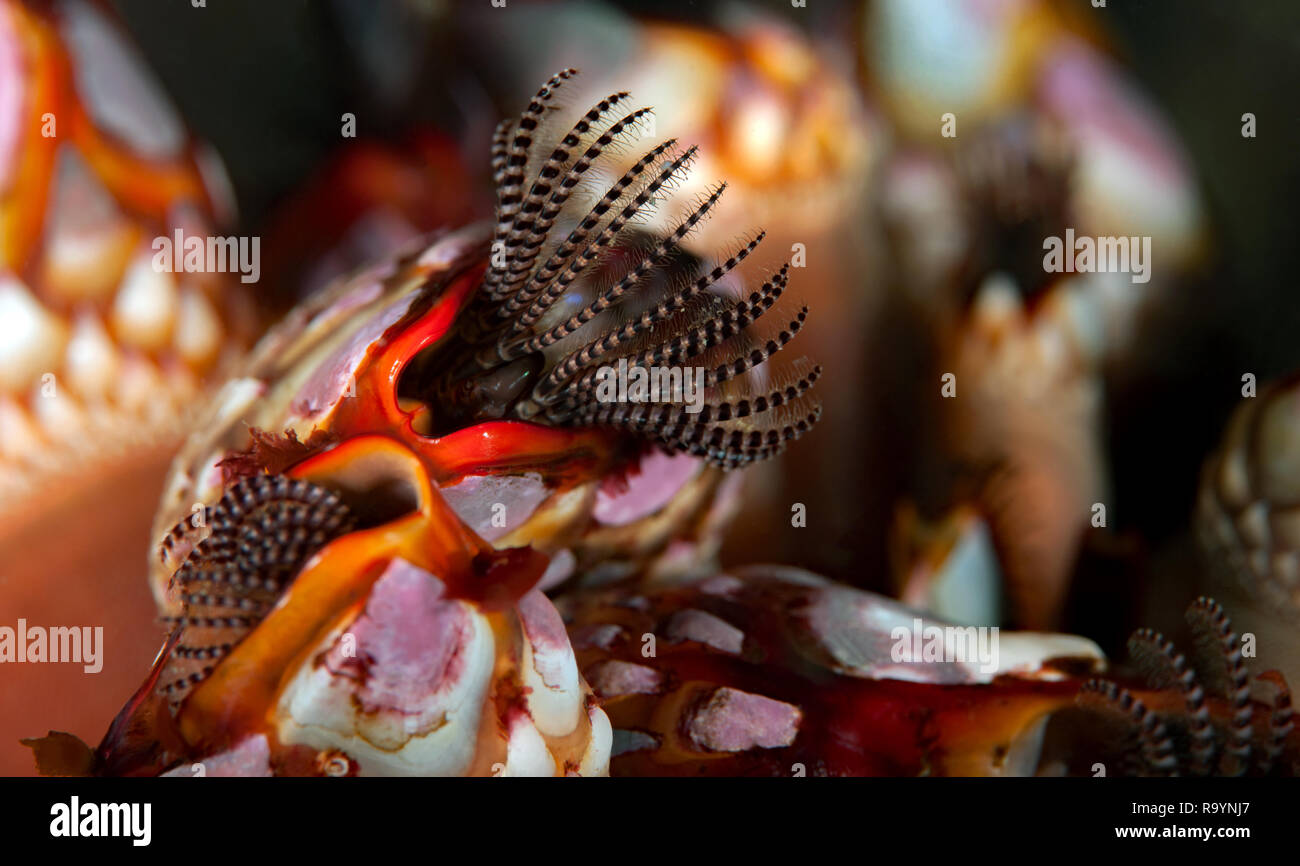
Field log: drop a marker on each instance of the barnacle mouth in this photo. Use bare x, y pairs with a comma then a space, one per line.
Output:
1017, 182
557, 309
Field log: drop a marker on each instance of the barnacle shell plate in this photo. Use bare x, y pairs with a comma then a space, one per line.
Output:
768, 668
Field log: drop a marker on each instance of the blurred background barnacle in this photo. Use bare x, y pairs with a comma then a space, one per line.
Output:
103, 357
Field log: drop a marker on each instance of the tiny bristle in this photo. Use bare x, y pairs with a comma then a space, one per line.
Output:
1159, 757
262, 530
1221, 667
1163, 667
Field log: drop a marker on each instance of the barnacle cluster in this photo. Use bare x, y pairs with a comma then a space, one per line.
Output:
469, 507
379, 395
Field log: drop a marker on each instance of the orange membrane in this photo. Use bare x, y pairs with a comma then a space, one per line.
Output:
332, 588
499, 446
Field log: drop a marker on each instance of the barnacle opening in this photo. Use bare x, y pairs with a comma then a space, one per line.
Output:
373, 487
1016, 180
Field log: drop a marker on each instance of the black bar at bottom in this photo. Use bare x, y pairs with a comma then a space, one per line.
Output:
645, 818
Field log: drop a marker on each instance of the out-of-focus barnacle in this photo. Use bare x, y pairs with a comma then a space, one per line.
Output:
1026, 166
95, 168
1026, 84
352, 540
1168, 714
1249, 494
770, 670
367, 203
1020, 418
984, 206
103, 355
1246, 516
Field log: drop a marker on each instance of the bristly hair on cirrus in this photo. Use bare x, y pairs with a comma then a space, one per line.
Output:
579, 280
1203, 715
